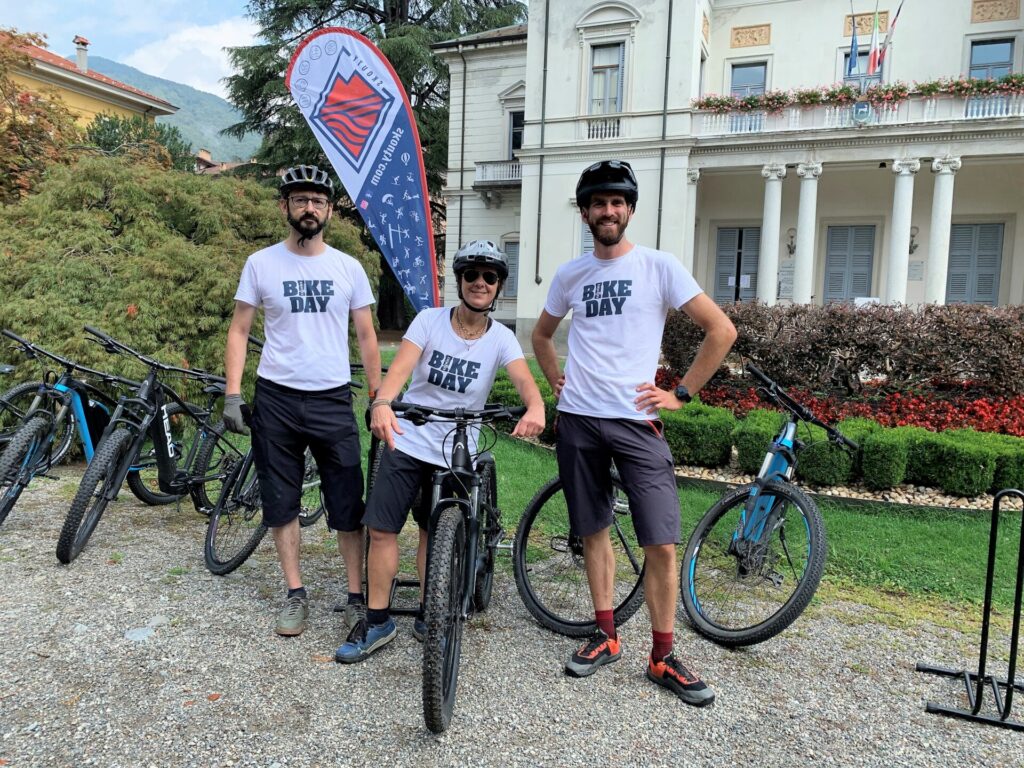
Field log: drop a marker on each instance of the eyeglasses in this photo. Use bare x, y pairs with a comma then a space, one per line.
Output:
319, 203
471, 275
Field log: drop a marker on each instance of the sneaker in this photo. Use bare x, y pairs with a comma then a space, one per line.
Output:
419, 628
673, 674
596, 652
291, 621
364, 639
354, 613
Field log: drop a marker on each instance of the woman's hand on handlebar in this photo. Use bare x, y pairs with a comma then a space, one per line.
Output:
531, 424
384, 425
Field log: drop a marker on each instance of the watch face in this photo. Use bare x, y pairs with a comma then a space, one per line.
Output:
682, 393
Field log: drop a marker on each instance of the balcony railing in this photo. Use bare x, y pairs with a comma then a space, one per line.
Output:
823, 117
501, 173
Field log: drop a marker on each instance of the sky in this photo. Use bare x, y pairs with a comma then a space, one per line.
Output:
181, 40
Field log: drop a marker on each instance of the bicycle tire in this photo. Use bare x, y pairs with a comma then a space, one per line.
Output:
489, 531
144, 482
736, 603
14, 405
19, 460
88, 506
219, 451
236, 527
442, 613
548, 564
311, 505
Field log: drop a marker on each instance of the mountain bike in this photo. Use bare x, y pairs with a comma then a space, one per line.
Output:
62, 406
755, 559
547, 560
463, 534
14, 403
151, 423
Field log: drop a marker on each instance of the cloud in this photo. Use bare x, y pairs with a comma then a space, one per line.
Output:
195, 55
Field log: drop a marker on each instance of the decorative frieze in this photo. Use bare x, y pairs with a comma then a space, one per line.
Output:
994, 10
865, 22
748, 37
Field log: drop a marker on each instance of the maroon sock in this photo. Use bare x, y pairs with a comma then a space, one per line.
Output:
606, 622
662, 645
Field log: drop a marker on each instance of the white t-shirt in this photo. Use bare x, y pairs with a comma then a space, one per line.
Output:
306, 302
618, 316
451, 373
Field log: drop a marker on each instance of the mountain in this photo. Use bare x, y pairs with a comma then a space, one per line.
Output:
200, 117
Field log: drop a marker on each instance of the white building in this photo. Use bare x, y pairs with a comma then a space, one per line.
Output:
914, 203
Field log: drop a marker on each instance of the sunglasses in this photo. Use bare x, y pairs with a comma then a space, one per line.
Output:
470, 276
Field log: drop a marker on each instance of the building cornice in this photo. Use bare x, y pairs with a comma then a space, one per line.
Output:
62, 78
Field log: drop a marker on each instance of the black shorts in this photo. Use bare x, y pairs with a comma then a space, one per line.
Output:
400, 478
586, 446
285, 422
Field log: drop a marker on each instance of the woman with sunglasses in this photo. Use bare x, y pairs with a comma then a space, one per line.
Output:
453, 355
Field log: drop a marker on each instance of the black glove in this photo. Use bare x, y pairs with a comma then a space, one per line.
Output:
234, 417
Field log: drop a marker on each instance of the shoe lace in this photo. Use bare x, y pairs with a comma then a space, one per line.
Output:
680, 669
293, 606
596, 641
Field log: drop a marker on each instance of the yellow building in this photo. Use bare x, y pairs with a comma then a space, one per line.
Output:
87, 93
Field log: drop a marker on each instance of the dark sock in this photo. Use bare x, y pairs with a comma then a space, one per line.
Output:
375, 616
606, 622
355, 598
300, 591
662, 644
419, 612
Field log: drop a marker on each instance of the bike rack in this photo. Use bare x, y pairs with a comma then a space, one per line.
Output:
980, 679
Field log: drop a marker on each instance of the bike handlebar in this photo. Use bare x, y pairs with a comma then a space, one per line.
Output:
421, 414
779, 395
34, 349
114, 346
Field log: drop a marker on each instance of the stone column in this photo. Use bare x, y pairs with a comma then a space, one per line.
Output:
899, 234
938, 237
690, 221
768, 262
806, 226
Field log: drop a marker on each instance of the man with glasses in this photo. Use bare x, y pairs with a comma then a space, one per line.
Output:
608, 405
308, 291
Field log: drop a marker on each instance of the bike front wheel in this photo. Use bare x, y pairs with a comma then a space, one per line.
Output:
92, 497
236, 523
443, 615
744, 590
548, 563
20, 460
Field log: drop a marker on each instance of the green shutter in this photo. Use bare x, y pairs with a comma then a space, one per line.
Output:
511, 289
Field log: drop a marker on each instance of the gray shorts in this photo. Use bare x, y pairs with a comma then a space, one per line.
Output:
586, 447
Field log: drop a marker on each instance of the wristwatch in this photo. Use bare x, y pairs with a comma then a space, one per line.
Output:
682, 394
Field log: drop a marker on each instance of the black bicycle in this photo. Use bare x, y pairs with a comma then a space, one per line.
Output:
156, 425
547, 560
14, 404
62, 406
463, 534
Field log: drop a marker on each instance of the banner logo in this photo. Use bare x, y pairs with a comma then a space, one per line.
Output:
350, 113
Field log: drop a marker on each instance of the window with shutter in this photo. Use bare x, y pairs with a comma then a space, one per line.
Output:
737, 255
975, 260
586, 239
511, 289
849, 262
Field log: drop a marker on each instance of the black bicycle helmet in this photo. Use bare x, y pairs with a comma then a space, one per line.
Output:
480, 253
306, 177
607, 176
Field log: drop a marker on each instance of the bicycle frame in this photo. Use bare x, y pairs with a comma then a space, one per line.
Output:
779, 464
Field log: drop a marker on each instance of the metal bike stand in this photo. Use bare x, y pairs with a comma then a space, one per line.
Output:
397, 584
980, 679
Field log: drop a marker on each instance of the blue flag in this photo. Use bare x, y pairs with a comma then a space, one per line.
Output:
359, 112
853, 66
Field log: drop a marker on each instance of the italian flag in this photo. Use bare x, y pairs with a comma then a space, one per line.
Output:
874, 56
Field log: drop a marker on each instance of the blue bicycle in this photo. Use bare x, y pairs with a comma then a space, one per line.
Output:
61, 406
755, 559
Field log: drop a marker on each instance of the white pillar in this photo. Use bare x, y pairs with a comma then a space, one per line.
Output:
899, 234
690, 222
768, 261
944, 169
806, 225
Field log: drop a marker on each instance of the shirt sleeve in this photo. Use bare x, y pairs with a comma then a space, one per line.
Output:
510, 349
362, 295
248, 287
418, 330
679, 283
556, 304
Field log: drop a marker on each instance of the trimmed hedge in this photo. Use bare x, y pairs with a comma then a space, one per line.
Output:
883, 459
700, 434
858, 429
822, 462
752, 437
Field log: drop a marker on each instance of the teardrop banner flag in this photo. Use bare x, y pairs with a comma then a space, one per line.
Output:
359, 112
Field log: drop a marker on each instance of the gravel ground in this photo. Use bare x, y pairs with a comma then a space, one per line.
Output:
135, 656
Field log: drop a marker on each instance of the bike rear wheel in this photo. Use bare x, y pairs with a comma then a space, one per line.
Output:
14, 406
311, 506
443, 615
490, 531
143, 480
19, 461
743, 596
548, 564
236, 523
91, 499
